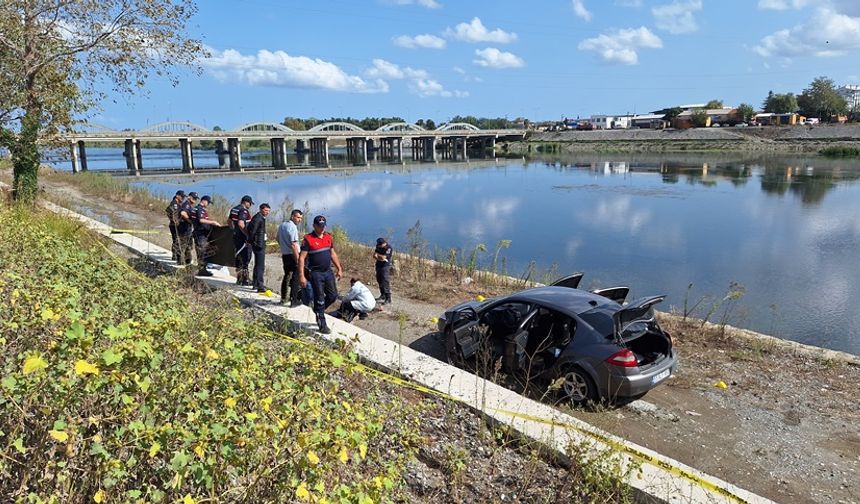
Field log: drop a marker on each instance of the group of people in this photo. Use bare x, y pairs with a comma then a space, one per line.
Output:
307, 262
189, 225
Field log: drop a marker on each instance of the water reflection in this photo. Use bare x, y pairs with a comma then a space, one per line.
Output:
655, 223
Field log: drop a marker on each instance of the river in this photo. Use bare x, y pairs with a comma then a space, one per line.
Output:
782, 231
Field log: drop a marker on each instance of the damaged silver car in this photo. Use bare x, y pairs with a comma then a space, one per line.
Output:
592, 344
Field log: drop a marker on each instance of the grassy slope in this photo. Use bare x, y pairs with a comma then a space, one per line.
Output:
115, 386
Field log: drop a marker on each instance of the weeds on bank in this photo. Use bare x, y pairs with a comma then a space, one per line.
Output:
114, 388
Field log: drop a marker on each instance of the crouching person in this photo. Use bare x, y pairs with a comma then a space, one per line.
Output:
358, 301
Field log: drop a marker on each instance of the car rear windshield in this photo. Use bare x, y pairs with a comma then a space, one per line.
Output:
600, 320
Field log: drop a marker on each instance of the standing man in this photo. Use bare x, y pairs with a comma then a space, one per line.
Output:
239, 220
382, 253
202, 226
172, 211
318, 255
288, 241
185, 228
257, 242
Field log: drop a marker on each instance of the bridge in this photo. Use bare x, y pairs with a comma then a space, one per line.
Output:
452, 141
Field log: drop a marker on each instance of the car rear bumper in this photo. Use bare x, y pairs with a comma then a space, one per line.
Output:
641, 381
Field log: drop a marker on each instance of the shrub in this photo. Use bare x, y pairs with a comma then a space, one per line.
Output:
114, 388
840, 151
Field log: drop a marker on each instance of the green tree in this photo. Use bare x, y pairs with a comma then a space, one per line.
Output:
56, 56
745, 112
780, 103
822, 100
670, 114
699, 118
429, 124
294, 123
714, 104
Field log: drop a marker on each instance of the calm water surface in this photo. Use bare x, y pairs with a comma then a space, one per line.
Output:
785, 228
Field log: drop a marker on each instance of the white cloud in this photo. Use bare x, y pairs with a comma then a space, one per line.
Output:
629, 3
782, 4
475, 31
466, 76
580, 10
426, 40
383, 69
277, 68
494, 58
677, 17
621, 46
420, 81
826, 33
430, 4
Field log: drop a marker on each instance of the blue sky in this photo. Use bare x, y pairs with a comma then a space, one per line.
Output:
544, 59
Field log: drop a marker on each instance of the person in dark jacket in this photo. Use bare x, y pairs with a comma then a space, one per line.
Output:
184, 228
202, 226
257, 242
239, 220
382, 253
172, 211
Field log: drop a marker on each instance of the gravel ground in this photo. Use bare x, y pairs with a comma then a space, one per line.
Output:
787, 427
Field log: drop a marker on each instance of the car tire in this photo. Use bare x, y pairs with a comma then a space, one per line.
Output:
578, 387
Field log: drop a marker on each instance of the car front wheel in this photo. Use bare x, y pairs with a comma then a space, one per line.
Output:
577, 386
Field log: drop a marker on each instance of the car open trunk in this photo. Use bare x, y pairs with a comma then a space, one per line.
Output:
650, 347
637, 329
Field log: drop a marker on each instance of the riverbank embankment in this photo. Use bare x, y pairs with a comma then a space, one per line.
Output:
787, 414
750, 139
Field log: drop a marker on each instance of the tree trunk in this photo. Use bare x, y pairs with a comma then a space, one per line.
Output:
26, 159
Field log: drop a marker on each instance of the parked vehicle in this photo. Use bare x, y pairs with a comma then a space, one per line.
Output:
585, 126
600, 348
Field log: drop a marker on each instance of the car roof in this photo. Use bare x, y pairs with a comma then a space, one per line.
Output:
565, 299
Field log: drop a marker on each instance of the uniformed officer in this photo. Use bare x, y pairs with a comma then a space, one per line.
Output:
202, 226
172, 211
185, 228
382, 253
240, 217
318, 255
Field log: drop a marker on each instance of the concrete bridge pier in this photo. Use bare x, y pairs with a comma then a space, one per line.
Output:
465, 147
279, 153
187, 155
356, 150
431, 146
222, 154
132, 155
319, 151
81, 156
234, 151
74, 157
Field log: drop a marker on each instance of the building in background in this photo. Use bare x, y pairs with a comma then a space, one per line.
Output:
851, 95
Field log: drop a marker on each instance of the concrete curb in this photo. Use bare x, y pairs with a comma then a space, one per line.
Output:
659, 477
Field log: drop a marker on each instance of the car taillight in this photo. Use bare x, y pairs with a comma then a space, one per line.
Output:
623, 358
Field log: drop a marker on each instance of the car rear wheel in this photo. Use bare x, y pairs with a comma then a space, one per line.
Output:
577, 386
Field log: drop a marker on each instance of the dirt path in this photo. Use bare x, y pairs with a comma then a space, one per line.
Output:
787, 427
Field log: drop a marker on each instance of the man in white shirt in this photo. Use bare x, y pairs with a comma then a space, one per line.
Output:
288, 241
359, 300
